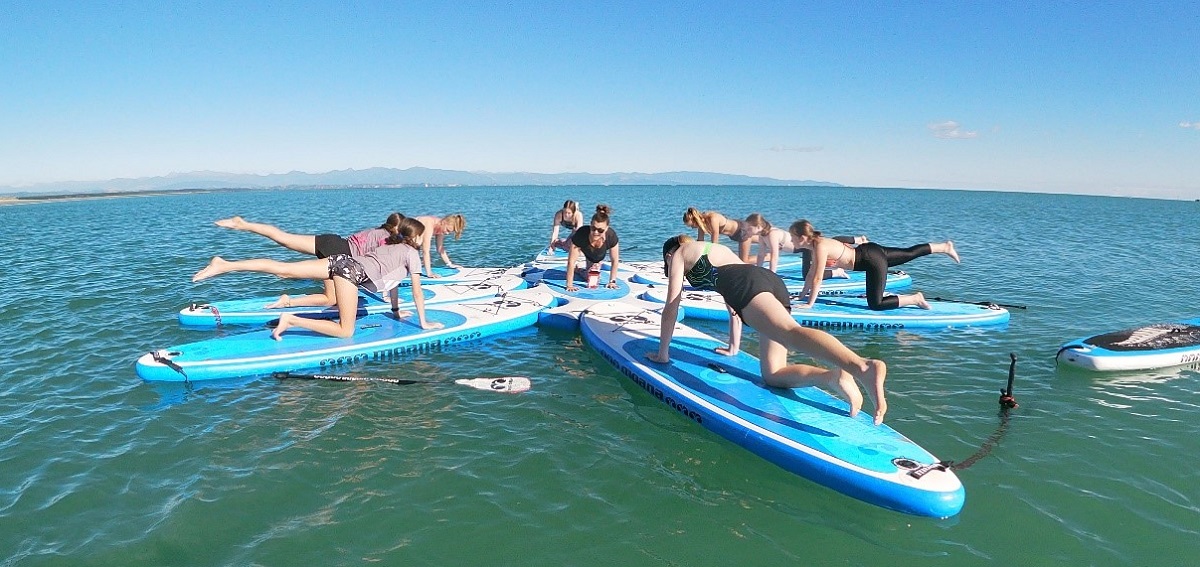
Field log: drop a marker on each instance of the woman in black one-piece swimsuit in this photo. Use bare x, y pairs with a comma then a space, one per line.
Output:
759, 297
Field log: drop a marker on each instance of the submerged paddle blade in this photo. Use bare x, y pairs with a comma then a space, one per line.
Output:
507, 384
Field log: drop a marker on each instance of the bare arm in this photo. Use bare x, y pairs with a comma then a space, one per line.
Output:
614, 255
714, 228
671, 312
812, 281
441, 248
426, 240
572, 257
554, 229
419, 301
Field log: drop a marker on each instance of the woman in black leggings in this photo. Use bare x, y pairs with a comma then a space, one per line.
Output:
869, 257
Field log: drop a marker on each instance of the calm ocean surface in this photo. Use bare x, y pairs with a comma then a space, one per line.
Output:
98, 467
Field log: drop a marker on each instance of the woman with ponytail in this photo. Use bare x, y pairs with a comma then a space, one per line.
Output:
869, 257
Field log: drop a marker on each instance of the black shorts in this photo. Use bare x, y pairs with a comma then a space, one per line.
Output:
740, 283
330, 244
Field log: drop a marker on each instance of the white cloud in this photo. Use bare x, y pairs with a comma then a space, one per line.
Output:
800, 149
1190, 125
951, 130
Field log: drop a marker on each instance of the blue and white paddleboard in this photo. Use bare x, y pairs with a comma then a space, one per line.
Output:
378, 338
849, 312
854, 284
252, 312
569, 304
459, 275
1143, 348
804, 430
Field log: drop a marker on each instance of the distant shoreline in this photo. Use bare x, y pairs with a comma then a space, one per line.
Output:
31, 199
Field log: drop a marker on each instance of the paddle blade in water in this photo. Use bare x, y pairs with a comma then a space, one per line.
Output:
507, 384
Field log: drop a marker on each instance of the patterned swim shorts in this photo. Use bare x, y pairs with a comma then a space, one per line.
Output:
346, 267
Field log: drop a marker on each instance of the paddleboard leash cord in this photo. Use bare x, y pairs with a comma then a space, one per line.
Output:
164, 357
1007, 402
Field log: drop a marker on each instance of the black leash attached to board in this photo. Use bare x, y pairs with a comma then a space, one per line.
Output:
1007, 402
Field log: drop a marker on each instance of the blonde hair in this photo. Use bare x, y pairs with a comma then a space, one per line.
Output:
694, 218
458, 224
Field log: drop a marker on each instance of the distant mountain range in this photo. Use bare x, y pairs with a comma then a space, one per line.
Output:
390, 177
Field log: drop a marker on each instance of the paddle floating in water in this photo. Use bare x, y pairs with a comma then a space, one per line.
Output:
505, 384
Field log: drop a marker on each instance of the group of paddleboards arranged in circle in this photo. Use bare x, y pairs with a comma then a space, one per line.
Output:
385, 303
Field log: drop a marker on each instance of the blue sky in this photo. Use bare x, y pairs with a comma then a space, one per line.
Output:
1091, 97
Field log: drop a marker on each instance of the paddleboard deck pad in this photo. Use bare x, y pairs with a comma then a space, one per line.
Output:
803, 430
378, 338
856, 283
1143, 348
458, 275
253, 312
849, 312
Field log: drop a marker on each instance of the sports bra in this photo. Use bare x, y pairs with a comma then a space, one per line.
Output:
832, 262
740, 234
702, 275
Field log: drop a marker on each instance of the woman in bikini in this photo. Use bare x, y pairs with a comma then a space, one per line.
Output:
714, 225
321, 246
438, 228
567, 217
379, 271
760, 298
868, 257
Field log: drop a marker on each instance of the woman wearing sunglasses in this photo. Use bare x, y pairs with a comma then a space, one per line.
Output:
593, 241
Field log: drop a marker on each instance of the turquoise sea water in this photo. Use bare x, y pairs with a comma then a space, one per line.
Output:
100, 468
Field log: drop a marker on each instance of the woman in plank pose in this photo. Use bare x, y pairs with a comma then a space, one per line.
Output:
868, 257
380, 270
321, 246
569, 218
759, 297
437, 228
593, 242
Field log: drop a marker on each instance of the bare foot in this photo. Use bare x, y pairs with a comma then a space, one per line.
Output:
951, 252
285, 321
283, 301
214, 268
724, 351
403, 314
919, 301
849, 388
872, 381
236, 223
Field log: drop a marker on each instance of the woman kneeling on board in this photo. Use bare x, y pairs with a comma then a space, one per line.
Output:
321, 246
868, 257
378, 271
760, 298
